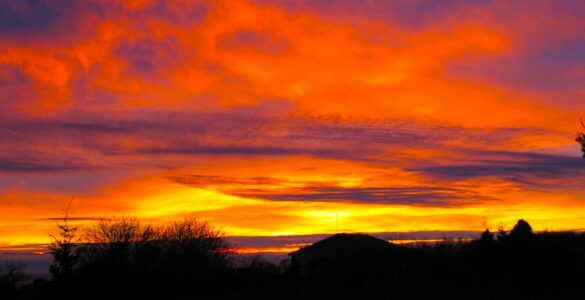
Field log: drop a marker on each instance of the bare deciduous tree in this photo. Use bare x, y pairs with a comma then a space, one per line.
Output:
125, 242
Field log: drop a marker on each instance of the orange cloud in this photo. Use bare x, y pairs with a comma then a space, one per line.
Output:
322, 66
274, 120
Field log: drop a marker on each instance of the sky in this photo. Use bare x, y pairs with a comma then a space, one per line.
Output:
271, 118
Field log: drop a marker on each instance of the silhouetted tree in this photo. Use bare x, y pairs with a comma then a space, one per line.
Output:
191, 248
190, 259
581, 138
64, 248
487, 245
121, 254
521, 231
112, 241
502, 233
519, 250
487, 237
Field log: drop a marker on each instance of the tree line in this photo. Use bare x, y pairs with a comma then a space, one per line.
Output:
119, 258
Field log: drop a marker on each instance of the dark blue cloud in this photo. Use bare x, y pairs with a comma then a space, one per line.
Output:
62, 21
27, 16
421, 13
277, 150
245, 134
178, 13
415, 195
531, 69
405, 13
320, 192
37, 21
37, 164
522, 167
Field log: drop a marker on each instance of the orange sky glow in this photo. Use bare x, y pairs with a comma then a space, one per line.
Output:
274, 118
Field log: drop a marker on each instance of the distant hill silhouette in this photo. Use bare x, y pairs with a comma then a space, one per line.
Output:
343, 256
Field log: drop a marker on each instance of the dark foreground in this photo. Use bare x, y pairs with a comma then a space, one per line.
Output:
509, 265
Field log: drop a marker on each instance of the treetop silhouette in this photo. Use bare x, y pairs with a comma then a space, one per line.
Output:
581, 138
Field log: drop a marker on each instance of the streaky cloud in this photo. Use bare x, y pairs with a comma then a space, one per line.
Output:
310, 191
529, 168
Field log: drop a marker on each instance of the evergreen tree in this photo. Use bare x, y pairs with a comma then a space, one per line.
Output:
64, 248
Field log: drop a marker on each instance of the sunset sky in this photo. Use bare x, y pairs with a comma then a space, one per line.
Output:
292, 117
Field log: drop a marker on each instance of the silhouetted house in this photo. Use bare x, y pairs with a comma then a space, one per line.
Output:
346, 256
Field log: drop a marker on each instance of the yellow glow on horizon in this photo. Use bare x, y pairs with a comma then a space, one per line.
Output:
157, 199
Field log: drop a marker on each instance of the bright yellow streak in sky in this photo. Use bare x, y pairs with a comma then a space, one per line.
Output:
157, 199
